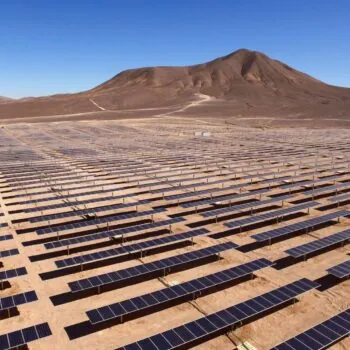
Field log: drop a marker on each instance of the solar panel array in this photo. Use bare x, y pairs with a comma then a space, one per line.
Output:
341, 270
23, 336
127, 249
6, 237
7, 253
81, 224
270, 215
321, 336
82, 202
303, 225
149, 268
144, 215
221, 199
328, 188
221, 321
82, 212
340, 198
239, 207
319, 244
112, 233
182, 290
17, 299
12, 273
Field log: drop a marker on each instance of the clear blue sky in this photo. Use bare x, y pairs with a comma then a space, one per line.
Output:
52, 46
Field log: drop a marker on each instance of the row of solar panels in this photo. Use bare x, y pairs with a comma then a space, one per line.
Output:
265, 236
16, 300
23, 184
14, 177
23, 336
183, 291
270, 215
81, 212
302, 225
328, 188
111, 233
75, 203
229, 197
7, 253
320, 244
142, 246
54, 187
71, 185
268, 180
176, 181
7, 274
93, 192
203, 192
6, 237
179, 182
222, 321
240, 207
341, 270
314, 182
149, 269
321, 336
192, 288
93, 222
198, 184
296, 252
340, 198
66, 196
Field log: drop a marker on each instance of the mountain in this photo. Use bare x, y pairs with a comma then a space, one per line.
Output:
246, 79
4, 99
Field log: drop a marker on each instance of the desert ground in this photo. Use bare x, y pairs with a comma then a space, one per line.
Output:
85, 198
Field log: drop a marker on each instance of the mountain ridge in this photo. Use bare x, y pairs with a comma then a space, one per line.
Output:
243, 77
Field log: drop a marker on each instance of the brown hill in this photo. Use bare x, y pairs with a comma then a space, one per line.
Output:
246, 78
4, 99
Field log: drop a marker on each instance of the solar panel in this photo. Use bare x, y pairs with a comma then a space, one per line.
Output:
220, 322
24, 336
319, 244
16, 183
328, 188
82, 212
321, 336
80, 224
66, 196
111, 233
182, 290
198, 184
222, 198
18, 299
155, 267
176, 181
127, 249
270, 215
202, 192
303, 225
341, 270
3, 224
340, 198
82, 202
239, 207
313, 182
7, 274
6, 237
10, 252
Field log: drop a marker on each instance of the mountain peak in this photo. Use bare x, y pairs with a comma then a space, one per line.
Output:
242, 78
